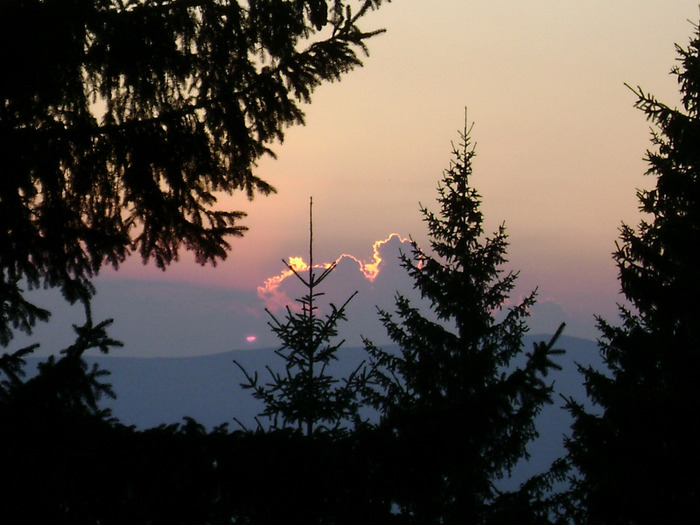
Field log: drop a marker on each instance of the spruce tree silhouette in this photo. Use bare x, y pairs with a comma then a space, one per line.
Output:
313, 466
458, 401
122, 120
306, 397
635, 455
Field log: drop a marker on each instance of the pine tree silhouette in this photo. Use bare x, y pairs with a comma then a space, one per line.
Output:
635, 455
458, 401
306, 396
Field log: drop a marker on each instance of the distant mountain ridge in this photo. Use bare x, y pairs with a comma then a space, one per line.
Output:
153, 391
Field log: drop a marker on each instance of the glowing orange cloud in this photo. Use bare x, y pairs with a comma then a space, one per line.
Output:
275, 298
371, 269
269, 290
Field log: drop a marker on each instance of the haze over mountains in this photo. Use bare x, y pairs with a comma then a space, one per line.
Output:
151, 391
172, 318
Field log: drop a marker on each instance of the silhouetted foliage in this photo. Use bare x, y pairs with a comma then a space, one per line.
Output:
12, 370
52, 429
306, 396
121, 120
62, 385
636, 454
458, 401
294, 478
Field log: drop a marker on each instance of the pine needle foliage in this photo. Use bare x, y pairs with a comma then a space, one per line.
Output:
306, 397
635, 454
460, 397
66, 385
122, 121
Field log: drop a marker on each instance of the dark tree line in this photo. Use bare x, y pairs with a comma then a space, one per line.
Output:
456, 403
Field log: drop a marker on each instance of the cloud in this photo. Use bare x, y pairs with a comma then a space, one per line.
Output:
375, 278
269, 291
546, 316
370, 269
274, 293
172, 318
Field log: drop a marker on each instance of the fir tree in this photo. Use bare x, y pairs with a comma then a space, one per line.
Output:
459, 399
636, 455
306, 397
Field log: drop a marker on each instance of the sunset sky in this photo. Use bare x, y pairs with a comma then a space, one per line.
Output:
559, 156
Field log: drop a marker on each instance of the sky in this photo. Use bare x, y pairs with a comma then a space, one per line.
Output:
560, 154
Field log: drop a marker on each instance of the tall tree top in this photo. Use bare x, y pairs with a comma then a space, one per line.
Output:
657, 262
635, 456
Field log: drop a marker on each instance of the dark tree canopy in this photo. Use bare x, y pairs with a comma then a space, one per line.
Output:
637, 455
120, 120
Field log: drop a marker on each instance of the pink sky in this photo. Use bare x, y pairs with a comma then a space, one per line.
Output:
559, 145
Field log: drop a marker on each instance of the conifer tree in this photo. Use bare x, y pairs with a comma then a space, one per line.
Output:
122, 120
66, 385
54, 434
636, 454
306, 396
459, 399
